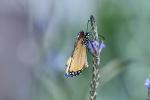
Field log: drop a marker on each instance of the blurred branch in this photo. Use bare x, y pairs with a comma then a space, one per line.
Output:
115, 67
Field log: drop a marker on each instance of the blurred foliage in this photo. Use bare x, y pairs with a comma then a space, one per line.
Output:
124, 62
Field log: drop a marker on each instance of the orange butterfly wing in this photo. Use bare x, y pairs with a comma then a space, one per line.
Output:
78, 61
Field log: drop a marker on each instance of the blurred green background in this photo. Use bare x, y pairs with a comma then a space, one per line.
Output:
37, 38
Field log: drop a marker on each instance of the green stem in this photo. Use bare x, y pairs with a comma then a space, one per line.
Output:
96, 61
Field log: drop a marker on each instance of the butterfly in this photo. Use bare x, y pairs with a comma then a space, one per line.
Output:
78, 60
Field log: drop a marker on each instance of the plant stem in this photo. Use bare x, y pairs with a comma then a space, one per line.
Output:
148, 95
96, 61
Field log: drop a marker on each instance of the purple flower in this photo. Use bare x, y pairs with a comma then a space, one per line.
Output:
147, 84
102, 45
95, 47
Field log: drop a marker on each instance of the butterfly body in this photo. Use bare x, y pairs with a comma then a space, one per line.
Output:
78, 60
